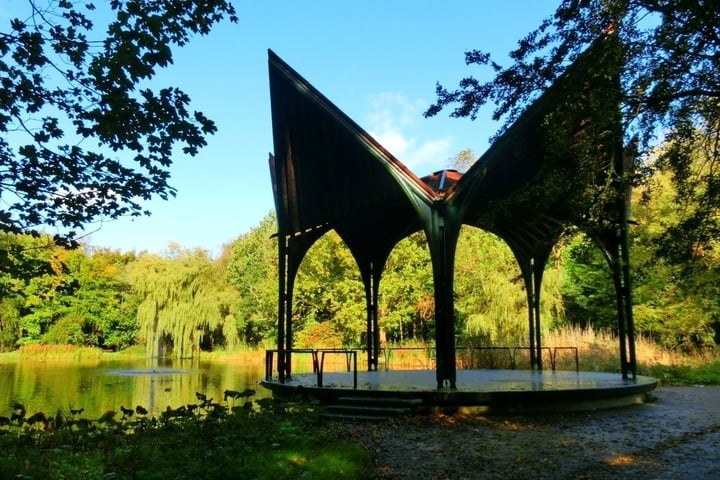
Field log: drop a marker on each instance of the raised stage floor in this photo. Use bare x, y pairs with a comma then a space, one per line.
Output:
488, 391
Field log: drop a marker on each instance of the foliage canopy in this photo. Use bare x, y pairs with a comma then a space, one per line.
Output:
669, 84
82, 134
670, 61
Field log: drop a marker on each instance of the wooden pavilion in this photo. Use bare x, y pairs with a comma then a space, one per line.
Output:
560, 164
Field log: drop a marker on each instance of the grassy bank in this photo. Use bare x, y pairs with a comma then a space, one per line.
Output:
598, 351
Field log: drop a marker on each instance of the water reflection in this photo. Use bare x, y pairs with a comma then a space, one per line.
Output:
99, 386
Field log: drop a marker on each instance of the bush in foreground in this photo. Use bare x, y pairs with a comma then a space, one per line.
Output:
278, 441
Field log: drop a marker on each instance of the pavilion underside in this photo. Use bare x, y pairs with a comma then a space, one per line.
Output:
560, 164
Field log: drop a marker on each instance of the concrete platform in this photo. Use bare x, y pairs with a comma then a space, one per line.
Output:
481, 391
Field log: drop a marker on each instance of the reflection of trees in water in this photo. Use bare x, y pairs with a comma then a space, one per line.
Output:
95, 387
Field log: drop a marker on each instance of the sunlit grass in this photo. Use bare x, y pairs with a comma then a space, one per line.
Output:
132, 351
6, 357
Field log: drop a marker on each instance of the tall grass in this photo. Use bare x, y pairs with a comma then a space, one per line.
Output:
241, 354
597, 351
41, 352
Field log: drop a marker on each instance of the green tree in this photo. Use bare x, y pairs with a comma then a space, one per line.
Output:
329, 299
329, 289
491, 302
185, 303
669, 84
676, 263
491, 299
18, 266
692, 158
82, 134
35, 277
251, 266
10, 327
407, 304
669, 77
52, 294
675, 268
463, 160
671, 60
100, 309
588, 290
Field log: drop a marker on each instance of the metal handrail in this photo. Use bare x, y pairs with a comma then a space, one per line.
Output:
318, 357
269, 354
509, 350
348, 353
512, 352
553, 357
318, 365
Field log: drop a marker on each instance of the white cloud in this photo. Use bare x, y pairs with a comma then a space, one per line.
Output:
396, 122
432, 153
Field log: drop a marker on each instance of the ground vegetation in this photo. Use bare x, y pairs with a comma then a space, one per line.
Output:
669, 437
214, 441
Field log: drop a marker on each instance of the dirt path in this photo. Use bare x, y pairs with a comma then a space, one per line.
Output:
675, 437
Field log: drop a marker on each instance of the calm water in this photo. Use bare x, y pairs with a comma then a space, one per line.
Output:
99, 386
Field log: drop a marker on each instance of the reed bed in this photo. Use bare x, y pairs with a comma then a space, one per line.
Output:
44, 352
596, 350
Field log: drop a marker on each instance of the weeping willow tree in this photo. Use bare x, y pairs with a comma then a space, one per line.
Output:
185, 303
491, 300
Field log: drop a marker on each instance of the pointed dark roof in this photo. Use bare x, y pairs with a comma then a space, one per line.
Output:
331, 174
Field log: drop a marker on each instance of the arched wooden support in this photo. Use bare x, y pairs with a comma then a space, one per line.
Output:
537, 269
284, 308
630, 366
371, 253
291, 251
615, 249
442, 234
372, 285
535, 353
533, 268
533, 283
532, 294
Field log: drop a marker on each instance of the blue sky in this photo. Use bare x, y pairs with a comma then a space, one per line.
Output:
378, 61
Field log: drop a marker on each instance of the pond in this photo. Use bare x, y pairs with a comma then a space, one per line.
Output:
101, 385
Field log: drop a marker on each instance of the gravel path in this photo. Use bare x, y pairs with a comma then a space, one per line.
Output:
675, 437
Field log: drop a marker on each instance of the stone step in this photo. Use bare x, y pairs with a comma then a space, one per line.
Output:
370, 408
367, 410
342, 417
379, 401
